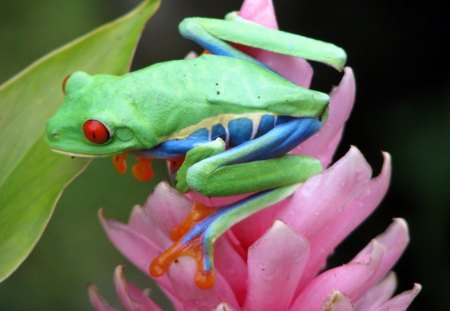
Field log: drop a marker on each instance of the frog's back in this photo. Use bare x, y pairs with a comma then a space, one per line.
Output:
229, 85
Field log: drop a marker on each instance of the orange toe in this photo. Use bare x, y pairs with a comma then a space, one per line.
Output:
142, 170
120, 163
197, 213
194, 249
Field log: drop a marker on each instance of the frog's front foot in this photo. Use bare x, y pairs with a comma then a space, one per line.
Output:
141, 170
194, 239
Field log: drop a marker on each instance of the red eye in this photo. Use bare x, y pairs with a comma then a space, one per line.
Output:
95, 132
64, 83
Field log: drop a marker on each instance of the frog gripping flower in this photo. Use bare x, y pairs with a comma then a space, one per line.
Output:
250, 145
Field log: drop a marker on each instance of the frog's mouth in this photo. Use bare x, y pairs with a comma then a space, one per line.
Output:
77, 155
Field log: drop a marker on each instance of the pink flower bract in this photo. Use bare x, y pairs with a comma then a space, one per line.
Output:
274, 260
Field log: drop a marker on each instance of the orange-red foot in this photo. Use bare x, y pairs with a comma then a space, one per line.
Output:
197, 213
193, 248
142, 170
120, 163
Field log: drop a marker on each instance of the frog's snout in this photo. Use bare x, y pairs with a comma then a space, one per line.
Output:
53, 134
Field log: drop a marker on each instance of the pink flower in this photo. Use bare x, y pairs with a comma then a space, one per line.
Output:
274, 260
264, 264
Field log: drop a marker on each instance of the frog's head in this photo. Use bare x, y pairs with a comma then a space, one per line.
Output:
97, 119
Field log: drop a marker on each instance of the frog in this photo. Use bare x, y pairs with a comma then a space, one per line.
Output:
231, 119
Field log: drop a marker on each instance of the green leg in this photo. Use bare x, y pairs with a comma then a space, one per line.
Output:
256, 165
213, 177
194, 156
213, 34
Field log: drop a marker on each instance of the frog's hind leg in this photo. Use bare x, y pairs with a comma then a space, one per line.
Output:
198, 243
212, 35
194, 29
258, 164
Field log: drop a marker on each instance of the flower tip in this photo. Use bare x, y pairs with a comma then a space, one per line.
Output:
354, 150
96, 299
397, 233
101, 214
102, 217
223, 307
118, 273
400, 223
387, 163
357, 158
259, 11
163, 186
337, 301
92, 289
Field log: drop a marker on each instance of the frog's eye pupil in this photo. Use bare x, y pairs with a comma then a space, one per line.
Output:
64, 83
96, 132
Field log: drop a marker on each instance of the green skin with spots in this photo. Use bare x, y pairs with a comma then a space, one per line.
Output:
146, 107
170, 100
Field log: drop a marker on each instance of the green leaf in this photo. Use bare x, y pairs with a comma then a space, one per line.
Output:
31, 176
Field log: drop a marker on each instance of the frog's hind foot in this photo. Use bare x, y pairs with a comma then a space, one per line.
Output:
195, 243
199, 234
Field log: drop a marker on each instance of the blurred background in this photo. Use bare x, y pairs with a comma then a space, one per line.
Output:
400, 55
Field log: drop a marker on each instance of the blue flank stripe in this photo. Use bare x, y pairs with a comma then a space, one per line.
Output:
240, 130
277, 142
287, 133
177, 147
266, 123
218, 131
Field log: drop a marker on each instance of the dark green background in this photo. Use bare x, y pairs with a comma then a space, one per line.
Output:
400, 55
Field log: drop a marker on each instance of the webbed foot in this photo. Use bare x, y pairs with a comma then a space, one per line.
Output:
193, 241
141, 170
199, 234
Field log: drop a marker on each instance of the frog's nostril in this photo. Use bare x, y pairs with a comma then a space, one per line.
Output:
54, 135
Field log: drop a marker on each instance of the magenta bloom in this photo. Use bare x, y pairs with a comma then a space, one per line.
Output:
275, 260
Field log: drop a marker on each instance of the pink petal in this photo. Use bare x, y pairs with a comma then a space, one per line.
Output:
252, 228
191, 55
378, 294
321, 198
401, 301
130, 296
167, 208
275, 262
136, 248
259, 11
223, 307
323, 244
348, 279
97, 301
394, 239
337, 301
182, 274
323, 144
144, 225
292, 68
232, 266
